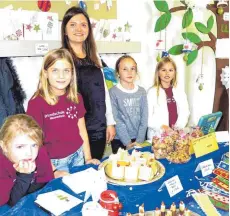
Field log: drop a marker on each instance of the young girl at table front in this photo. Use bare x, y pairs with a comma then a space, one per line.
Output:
24, 164
167, 103
59, 110
129, 105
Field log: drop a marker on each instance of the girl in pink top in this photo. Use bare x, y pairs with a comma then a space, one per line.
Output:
24, 164
59, 110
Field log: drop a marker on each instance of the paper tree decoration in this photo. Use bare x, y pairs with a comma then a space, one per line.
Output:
220, 11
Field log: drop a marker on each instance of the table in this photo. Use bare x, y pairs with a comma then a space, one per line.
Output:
130, 196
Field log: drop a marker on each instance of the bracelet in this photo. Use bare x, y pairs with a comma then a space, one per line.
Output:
55, 170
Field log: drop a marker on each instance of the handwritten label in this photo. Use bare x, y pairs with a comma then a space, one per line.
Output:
204, 145
226, 16
206, 167
173, 185
41, 48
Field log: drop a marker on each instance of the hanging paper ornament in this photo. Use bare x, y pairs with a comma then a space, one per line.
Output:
44, 5
109, 4
201, 86
185, 58
225, 77
220, 6
164, 54
158, 57
187, 47
68, 2
200, 81
82, 5
159, 44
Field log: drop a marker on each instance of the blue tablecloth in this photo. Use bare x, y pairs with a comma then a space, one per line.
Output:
130, 196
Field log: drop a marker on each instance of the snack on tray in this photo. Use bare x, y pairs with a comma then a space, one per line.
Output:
134, 167
162, 146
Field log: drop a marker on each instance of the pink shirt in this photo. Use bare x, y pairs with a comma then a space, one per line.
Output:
59, 123
172, 107
43, 174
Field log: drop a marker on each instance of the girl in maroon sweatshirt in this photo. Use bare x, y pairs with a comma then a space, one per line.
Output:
24, 164
59, 110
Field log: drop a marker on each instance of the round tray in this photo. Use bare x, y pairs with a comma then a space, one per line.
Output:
160, 174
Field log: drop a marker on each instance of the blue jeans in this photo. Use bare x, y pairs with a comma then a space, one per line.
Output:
66, 164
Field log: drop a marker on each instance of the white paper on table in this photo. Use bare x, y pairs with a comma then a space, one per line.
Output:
222, 136
98, 185
173, 185
80, 181
57, 202
206, 167
91, 181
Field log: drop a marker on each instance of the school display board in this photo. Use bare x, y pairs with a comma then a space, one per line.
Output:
60, 7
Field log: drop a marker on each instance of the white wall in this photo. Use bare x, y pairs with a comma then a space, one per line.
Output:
142, 15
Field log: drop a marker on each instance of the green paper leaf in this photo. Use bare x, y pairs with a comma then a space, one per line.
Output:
162, 22
194, 38
176, 50
187, 18
192, 56
202, 28
210, 22
161, 5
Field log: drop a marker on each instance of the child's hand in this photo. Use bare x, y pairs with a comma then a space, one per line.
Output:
93, 161
26, 167
60, 173
130, 146
110, 133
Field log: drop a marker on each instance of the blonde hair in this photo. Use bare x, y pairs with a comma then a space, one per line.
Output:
161, 63
43, 88
18, 125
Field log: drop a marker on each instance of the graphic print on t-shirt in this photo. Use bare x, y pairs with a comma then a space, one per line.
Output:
71, 112
170, 100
